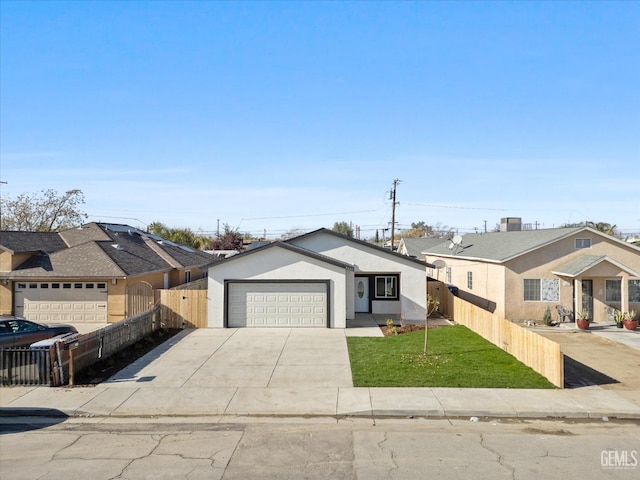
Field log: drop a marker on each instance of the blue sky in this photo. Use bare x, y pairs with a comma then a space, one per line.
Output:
294, 115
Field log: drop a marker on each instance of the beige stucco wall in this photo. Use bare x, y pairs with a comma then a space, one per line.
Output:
5, 299
10, 261
488, 285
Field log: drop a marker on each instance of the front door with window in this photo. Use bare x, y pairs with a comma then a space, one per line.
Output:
362, 294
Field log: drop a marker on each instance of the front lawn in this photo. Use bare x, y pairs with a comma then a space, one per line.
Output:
456, 357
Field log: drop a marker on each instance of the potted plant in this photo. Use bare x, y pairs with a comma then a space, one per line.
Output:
630, 320
582, 320
619, 316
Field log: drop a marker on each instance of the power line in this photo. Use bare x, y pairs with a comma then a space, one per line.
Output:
308, 215
454, 206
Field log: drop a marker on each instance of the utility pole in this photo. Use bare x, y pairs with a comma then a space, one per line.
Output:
1, 183
393, 210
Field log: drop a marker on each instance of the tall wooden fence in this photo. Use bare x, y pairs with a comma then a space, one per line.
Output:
541, 354
184, 308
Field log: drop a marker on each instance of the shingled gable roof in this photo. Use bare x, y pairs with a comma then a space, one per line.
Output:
500, 247
363, 243
108, 252
415, 246
581, 264
289, 247
31, 242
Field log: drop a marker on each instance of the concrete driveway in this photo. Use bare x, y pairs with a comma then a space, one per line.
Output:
244, 357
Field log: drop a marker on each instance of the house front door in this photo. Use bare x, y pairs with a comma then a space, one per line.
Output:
362, 294
587, 297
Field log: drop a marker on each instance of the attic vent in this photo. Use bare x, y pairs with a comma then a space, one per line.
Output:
117, 246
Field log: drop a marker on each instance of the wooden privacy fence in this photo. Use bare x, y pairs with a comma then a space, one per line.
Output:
184, 308
541, 354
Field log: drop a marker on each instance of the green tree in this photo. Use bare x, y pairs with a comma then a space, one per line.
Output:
602, 227
421, 229
183, 236
344, 228
46, 211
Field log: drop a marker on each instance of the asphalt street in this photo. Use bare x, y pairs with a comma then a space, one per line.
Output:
315, 449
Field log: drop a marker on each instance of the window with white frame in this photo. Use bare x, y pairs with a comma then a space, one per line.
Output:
448, 275
583, 243
187, 276
541, 290
470, 280
386, 287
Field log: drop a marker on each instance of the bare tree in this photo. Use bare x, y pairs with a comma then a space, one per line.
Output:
42, 212
230, 239
294, 232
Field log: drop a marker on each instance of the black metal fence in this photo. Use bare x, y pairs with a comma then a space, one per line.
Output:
56, 364
25, 366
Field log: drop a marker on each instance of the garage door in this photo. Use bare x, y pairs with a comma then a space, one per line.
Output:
277, 304
62, 301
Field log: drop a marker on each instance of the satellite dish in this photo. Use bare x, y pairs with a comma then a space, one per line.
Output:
450, 247
457, 240
439, 263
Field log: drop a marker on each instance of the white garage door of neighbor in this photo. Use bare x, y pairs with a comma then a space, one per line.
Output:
62, 301
277, 305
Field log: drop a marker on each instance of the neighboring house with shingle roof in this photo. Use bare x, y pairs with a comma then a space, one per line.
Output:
518, 274
95, 273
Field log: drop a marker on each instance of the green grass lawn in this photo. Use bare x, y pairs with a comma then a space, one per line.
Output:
456, 357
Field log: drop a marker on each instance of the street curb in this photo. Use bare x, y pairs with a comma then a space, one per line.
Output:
14, 413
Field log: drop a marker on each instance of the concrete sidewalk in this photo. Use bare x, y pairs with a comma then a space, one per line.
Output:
225, 374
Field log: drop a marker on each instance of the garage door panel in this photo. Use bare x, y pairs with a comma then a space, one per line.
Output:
277, 304
62, 301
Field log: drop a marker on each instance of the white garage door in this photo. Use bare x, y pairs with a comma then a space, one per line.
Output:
62, 301
277, 305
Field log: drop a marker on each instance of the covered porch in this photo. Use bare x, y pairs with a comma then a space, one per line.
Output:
601, 285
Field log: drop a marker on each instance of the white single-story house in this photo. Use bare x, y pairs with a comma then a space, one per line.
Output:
319, 279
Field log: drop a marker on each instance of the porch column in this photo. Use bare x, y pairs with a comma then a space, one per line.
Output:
624, 293
577, 289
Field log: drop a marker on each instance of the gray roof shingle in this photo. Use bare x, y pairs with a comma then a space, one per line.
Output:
98, 251
502, 246
26, 242
415, 246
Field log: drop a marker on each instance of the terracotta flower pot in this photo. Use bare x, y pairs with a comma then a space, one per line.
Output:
630, 324
582, 324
